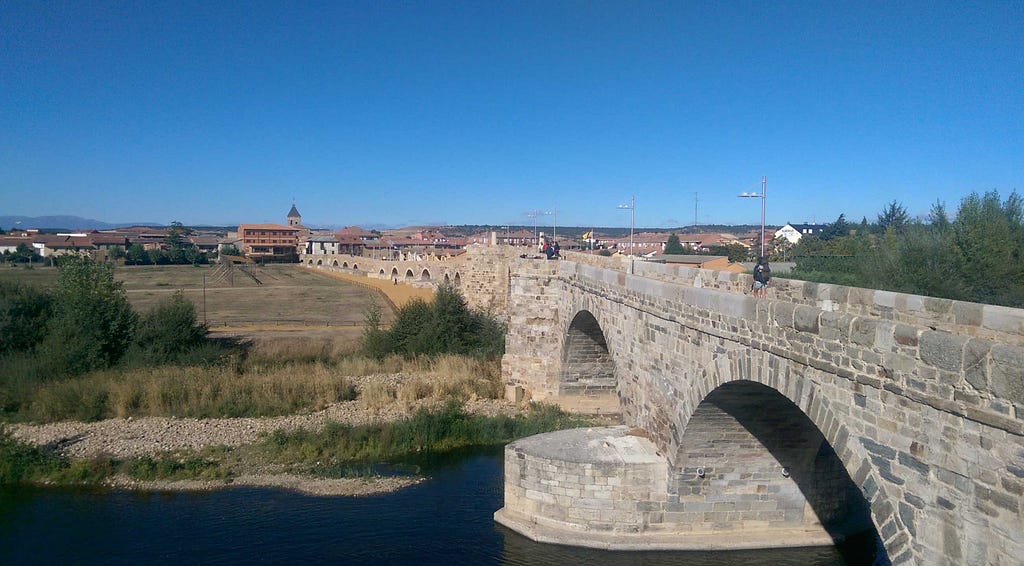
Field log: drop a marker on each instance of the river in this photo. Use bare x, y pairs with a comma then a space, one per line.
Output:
445, 520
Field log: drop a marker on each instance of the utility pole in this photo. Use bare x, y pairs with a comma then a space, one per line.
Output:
695, 212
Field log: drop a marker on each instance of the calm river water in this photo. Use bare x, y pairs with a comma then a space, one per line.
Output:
446, 520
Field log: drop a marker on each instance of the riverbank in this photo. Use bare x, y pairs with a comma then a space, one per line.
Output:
231, 445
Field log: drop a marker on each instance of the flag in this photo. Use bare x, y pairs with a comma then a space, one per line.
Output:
587, 235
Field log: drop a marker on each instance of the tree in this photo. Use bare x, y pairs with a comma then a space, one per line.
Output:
893, 216
837, 229
673, 247
136, 255
24, 253
116, 252
989, 237
92, 322
230, 249
177, 243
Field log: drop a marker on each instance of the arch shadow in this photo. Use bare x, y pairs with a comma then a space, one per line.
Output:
749, 446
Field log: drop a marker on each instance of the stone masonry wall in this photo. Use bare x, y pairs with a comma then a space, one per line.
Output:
605, 493
922, 404
533, 344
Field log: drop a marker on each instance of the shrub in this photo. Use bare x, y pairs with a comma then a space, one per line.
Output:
445, 326
169, 331
24, 312
92, 322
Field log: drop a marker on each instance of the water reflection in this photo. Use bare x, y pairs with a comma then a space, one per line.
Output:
446, 520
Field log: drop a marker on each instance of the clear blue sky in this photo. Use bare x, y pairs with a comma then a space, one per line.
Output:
477, 112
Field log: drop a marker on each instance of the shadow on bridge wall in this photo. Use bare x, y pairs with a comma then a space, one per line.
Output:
750, 455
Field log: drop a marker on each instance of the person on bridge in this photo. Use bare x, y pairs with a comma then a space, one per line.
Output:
762, 276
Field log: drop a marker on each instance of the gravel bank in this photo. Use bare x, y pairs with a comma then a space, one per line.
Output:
121, 438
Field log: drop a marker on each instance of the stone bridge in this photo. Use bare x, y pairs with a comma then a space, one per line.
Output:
814, 415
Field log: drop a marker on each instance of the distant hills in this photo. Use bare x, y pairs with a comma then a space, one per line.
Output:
62, 222
67, 222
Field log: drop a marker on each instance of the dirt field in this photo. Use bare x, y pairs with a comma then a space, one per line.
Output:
289, 300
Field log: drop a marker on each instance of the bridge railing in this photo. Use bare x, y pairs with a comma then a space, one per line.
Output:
991, 322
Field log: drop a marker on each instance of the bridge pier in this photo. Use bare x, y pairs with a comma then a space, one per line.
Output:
610, 488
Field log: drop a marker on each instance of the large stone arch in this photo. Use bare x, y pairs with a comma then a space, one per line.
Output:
335, 264
319, 262
409, 275
344, 265
739, 396
425, 275
355, 267
587, 367
382, 273
750, 449
394, 273
458, 280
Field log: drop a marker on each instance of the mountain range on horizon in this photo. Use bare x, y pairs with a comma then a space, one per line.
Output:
63, 221
71, 222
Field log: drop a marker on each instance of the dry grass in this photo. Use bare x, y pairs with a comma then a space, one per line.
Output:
454, 377
191, 392
376, 395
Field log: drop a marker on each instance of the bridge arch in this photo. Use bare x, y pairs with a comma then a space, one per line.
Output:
587, 365
319, 262
394, 273
344, 265
335, 264
425, 275
458, 280
747, 438
409, 275
310, 262
355, 266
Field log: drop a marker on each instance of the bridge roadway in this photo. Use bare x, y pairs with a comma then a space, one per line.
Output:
816, 414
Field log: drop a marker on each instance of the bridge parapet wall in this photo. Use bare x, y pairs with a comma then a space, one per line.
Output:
481, 273
990, 322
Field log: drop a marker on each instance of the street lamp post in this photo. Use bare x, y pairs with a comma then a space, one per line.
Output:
762, 195
631, 207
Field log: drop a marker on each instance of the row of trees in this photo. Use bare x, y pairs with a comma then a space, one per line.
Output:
86, 323
976, 255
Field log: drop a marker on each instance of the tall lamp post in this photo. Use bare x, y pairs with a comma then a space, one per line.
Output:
631, 207
762, 195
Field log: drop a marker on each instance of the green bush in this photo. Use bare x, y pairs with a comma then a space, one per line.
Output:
24, 312
92, 322
168, 332
437, 431
22, 462
444, 326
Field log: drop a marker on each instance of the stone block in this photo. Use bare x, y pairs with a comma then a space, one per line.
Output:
1003, 319
942, 350
905, 335
806, 319
976, 363
862, 331
1006, 372
913, 463
933, 305
782, 314
967, 314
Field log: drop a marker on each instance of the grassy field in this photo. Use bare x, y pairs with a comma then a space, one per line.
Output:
289, 298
